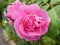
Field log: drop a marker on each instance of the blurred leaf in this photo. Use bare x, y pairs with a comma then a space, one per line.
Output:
54, 25
3, 0
53, 32
58, 39
33, 1
57, 10
55, 21
38, 2
3, 4
54, 2
45, 7
48, 41
28, 2
45, 1
10, 1
24, 1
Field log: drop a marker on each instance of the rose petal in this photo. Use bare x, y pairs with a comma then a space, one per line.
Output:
33, 8
32, 38
10, 22
46, 19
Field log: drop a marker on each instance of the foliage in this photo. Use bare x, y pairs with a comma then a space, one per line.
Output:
53, 35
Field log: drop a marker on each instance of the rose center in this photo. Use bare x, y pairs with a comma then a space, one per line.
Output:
32, 22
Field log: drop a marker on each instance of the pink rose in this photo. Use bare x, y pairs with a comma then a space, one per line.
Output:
32, 22
13, 10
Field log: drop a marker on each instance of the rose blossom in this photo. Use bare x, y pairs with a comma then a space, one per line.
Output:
13, 10
32, 22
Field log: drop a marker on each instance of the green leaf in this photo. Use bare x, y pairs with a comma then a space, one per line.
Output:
33, 1
54, 25
57, 10
53, 32
10, 1
48, 41
24, 1
54, 2
3, 4
29, 2
38, 2
45, 7
54, 18
45, 1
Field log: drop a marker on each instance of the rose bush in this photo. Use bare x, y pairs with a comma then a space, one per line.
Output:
30, 21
